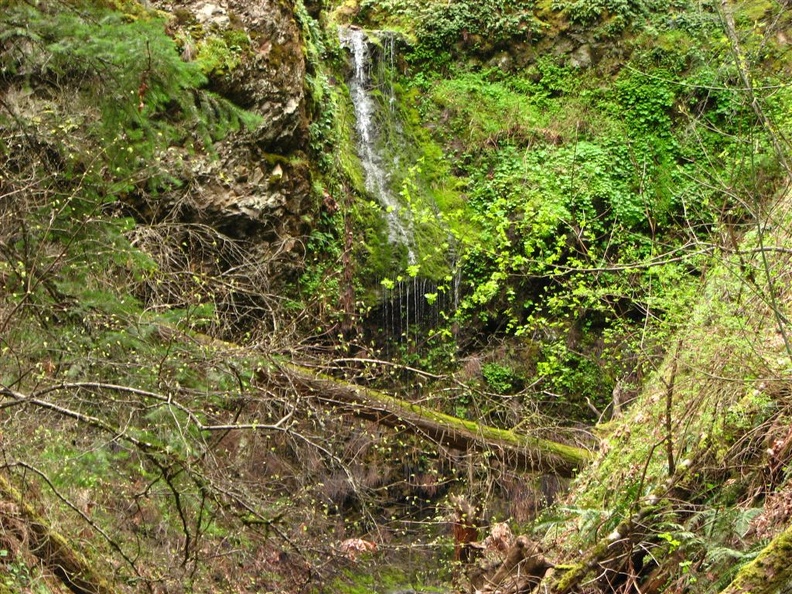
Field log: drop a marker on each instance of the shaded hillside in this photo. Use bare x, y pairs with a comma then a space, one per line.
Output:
702, 458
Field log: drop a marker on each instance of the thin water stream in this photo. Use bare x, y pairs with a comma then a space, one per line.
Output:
368, 111
411, 307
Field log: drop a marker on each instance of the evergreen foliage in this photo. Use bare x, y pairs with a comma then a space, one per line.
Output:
130, 71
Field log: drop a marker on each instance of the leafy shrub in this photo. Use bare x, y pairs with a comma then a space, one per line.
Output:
482, 25
623, 12
573, 379
647, 101
501, 379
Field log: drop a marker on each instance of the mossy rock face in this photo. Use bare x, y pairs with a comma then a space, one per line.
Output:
253, 55
254, 185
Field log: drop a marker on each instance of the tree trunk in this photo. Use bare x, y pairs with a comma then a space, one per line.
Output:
770, 572
515, 450
53, 549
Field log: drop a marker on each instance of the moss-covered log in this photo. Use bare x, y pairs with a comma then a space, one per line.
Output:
517, 451
769, 572
54, 550
616, 546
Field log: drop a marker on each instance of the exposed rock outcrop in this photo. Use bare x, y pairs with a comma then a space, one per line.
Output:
269, 78
257, 186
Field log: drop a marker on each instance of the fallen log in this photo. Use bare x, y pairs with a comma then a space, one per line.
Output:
770, 572
515, 450
53, 548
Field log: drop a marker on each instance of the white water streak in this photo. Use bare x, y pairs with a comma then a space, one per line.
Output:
372, 157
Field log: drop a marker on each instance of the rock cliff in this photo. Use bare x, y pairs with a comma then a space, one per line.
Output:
258, 187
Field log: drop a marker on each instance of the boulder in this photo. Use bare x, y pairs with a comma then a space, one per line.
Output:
256, 184
581, 57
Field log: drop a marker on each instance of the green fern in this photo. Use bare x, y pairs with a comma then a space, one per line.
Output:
728, 562
147, 97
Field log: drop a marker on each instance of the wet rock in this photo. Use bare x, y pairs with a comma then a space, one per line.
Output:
270, 202
581, 57
270, 76
212, 14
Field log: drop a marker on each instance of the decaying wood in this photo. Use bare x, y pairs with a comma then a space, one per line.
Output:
515, 450
520, 571
466, 523
770, 572
54, 550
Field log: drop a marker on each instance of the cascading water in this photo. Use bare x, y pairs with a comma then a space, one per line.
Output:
372, 156
406, 312
409, 308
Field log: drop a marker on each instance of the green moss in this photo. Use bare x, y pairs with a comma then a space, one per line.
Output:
568, 456
753, 11
346, 151
769, 571
221, 55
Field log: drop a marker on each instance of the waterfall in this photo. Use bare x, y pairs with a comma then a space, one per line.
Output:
370, 150
405, 316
